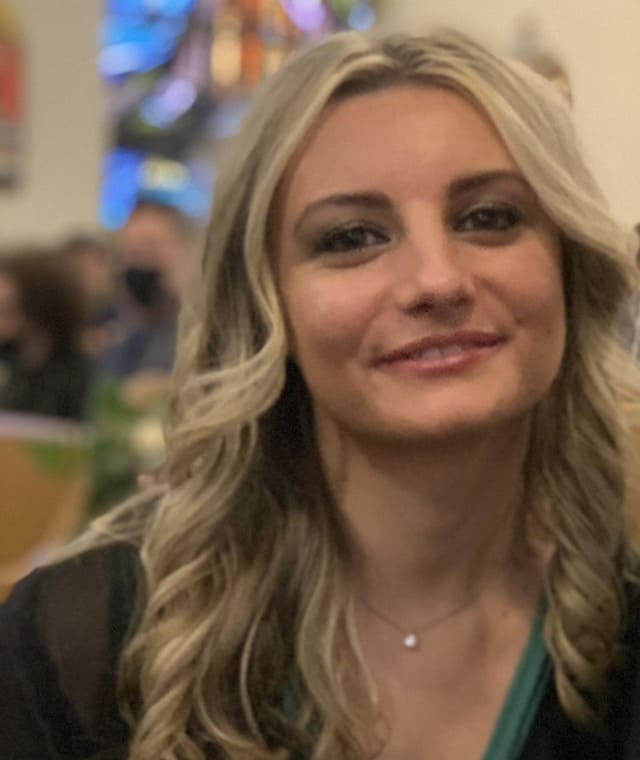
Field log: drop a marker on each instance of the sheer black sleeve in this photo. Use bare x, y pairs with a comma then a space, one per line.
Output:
61, 634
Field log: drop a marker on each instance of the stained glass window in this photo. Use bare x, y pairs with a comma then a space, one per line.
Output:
179, 74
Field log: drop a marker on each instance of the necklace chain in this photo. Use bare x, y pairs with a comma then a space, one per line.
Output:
411, 638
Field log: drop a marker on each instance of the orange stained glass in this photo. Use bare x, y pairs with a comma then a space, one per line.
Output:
252, 59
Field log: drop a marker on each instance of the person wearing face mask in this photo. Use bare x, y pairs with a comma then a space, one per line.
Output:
153, 258
43, 369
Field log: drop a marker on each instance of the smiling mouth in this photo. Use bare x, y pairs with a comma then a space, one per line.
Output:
441, 353
442, 347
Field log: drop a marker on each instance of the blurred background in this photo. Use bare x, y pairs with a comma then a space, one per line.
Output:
113, 114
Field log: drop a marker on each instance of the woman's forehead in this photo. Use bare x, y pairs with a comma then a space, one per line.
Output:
381, 137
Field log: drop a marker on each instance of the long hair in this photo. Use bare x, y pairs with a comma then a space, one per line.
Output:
246, 642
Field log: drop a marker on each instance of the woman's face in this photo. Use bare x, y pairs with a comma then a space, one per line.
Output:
420, 278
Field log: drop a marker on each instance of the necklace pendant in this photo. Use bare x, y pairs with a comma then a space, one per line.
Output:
410, 641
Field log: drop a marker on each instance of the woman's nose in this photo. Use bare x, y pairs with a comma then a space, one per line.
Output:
432, 271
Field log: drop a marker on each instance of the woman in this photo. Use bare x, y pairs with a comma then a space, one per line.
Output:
391, 523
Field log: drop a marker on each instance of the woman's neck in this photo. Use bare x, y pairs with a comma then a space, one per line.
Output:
432, 524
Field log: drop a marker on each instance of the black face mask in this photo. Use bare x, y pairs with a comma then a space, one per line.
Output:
145, 285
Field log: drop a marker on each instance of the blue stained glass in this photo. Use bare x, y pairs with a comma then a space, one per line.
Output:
171, 8
187, 187
133, 47
120, 179
361, 17
132, 175
155, 35
171, 102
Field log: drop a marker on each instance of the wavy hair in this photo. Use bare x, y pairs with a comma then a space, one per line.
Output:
246, 641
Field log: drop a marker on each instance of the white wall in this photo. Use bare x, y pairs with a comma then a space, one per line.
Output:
600, 46
64, 133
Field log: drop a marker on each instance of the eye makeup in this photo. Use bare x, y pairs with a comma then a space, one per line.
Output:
489, 216
488, 206
352, 236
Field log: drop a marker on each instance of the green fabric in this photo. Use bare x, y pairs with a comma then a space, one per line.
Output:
523, 699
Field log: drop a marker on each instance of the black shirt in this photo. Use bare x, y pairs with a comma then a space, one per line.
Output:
62, 630
57, 388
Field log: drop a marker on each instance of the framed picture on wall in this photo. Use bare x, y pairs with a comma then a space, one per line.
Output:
11, 112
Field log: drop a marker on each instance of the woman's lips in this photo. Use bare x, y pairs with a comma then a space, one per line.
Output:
442, 353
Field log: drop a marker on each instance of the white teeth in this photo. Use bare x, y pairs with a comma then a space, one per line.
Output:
439, 353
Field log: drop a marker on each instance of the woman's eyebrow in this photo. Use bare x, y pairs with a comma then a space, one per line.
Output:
478, 180
377, 200
366, 199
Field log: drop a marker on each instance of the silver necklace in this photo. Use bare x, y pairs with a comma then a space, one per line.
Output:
412, 638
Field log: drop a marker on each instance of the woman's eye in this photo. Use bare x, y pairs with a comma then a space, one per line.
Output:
354, 238
489, 219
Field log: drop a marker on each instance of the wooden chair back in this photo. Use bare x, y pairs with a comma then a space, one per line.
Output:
44, 489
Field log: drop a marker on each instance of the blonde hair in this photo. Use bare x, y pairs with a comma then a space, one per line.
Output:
246, 639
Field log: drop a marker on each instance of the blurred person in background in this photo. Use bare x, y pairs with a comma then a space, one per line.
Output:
93, 261
152, 250
43, 368
128, 401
